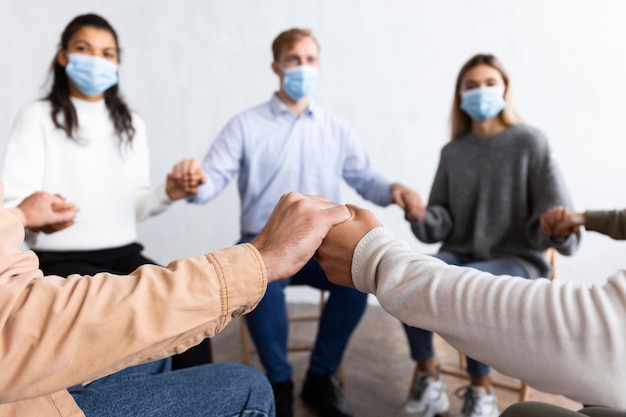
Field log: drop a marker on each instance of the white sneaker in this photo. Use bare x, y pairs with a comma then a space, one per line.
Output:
428, 398
477, 403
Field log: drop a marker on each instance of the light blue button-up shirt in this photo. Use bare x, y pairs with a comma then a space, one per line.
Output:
275, 152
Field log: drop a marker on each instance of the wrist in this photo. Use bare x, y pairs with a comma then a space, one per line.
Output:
395, 187
20, 215
580, 219
270, 264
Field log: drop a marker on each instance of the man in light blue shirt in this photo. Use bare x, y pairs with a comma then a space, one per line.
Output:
291, 144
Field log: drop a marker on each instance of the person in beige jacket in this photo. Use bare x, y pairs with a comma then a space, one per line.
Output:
50, 325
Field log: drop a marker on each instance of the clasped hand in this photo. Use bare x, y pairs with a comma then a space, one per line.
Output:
184, 179
303, 226
560, 222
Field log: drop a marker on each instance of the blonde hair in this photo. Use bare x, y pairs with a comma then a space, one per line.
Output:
288, 38
460, 122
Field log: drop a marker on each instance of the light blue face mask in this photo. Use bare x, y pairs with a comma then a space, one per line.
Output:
483, 103
300, 81
90, 74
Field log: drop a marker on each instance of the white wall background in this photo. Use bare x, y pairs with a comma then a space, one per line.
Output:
387, 66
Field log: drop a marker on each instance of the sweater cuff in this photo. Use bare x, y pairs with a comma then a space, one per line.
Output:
367, 255
164, 199
595, 219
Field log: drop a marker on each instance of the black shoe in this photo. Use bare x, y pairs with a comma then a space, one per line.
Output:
283, 398
322, 393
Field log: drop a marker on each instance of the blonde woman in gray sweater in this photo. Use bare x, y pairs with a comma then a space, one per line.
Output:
495, 179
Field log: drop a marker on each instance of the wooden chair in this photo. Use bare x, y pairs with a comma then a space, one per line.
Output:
521, 387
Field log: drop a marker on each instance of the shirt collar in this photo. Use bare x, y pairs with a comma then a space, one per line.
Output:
279, 108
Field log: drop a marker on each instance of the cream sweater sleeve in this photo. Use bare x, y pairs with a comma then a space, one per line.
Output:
149, 200
23, 170
559, 337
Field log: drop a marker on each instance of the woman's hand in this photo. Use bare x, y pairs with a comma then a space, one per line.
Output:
560, 222
46, 212
184, 179
409, 201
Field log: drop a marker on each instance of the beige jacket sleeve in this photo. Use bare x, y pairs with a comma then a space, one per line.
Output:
60, 332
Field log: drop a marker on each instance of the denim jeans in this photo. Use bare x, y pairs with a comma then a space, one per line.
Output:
421, 341
269, 325
151, 390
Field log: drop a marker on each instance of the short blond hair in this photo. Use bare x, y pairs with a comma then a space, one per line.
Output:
460, 122
288, 38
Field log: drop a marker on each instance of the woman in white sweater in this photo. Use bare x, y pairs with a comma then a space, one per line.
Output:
83, 142
558, 336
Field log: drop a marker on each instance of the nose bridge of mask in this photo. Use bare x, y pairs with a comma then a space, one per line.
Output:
301, 72
488, 91
93, 63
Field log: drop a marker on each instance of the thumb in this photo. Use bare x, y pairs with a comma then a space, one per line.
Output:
399, 199
338, 214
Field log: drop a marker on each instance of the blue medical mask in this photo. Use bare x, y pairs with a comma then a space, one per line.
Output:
483, 103
300, 81
90, 74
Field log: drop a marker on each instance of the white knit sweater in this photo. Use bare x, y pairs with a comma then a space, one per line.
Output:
560, 337
109, 182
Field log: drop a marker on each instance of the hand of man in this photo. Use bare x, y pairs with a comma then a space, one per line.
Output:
560, 222
408, 200
184, 179
294, 231
335, 254
45, 212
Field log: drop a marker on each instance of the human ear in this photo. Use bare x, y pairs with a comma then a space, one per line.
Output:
275, 68
62, 58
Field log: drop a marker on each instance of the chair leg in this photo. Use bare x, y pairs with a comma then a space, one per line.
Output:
462, 361
522, 389
245, 343
413, 379
524, 392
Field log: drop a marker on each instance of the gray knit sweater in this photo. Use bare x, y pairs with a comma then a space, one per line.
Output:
488, 196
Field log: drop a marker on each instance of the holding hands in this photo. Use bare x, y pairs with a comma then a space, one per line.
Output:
45, 212
335, 254
294, 231
408, 200
184, 179
560, 222
302, 226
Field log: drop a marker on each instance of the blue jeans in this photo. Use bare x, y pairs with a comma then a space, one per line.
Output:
269, 324
421, 341
151, 390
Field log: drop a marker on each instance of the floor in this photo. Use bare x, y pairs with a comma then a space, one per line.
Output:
377, 369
